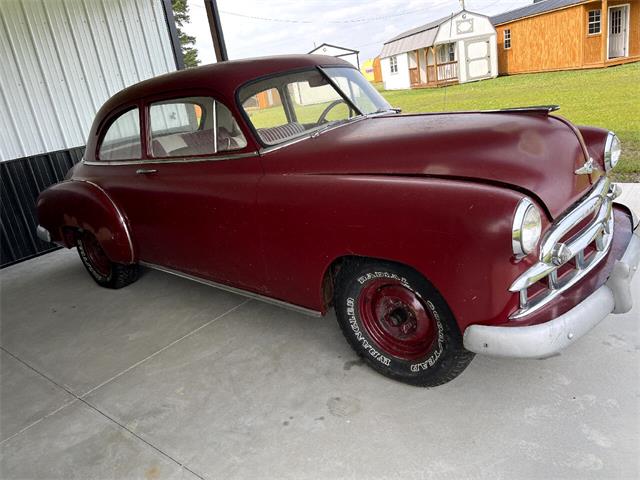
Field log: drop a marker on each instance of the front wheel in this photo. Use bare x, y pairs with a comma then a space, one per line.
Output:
399, 323
106, 273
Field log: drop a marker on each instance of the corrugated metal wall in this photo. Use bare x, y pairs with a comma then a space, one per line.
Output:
60, 60
21, 181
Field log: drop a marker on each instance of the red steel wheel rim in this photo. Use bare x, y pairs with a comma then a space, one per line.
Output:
96, 256
396, 318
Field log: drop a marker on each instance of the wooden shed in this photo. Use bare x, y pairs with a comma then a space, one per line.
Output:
458, 48
568, 34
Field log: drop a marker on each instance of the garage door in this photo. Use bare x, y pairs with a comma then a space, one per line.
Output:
478, 59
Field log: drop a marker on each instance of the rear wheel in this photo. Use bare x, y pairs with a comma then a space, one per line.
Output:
106, 273
399, 323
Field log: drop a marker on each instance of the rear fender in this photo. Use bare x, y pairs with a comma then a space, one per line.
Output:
84, 205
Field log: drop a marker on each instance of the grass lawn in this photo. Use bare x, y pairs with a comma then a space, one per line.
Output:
607, 98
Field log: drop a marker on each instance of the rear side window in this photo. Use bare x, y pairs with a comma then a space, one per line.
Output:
192, 126
122, 140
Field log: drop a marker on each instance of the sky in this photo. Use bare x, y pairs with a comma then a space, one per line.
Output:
254, 28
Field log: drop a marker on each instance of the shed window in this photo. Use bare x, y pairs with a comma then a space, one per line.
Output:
393, 64
594, 22
507, 39
122, 140
192, 126
446, 53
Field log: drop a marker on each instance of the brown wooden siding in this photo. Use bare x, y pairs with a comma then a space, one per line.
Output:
544, 42
559, 40
593, 43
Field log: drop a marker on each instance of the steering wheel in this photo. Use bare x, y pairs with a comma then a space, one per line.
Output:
331, 106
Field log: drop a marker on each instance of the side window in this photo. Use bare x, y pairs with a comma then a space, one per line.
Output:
594, 22
122, 140
192, 126
507, 39
290, 105
265, 109
393, 64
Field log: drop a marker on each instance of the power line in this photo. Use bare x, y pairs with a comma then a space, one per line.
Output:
340, 22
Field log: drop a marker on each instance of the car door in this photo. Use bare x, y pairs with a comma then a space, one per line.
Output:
191, 200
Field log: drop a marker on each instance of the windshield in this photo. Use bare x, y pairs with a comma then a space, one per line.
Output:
291, 105
357, 89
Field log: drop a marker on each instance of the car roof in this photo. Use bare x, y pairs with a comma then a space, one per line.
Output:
223, 78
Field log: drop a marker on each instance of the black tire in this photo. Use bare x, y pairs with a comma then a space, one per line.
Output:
106, 273
426, 360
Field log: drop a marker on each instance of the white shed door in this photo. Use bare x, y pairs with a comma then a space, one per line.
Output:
618, 31
478, 59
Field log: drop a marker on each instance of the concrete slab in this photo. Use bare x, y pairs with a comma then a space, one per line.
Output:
78, 442
55, 318
266, 393
25, 396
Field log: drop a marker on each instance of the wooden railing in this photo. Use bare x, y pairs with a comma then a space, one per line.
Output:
447, 71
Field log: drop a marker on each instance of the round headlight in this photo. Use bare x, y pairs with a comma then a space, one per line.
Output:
527, 228
612, 151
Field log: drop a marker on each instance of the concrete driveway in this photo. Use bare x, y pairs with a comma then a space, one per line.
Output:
172, 379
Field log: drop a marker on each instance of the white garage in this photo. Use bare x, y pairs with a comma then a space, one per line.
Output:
459, 48
348, 54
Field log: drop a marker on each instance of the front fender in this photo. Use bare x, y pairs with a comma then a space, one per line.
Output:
455, 232
85, 205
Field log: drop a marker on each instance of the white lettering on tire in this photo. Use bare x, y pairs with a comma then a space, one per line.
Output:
433, 358
351, 312
416, 367
89, 265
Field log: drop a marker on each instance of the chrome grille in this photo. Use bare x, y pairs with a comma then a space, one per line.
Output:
586, 248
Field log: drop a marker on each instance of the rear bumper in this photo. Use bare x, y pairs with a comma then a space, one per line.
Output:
546, 339
43, 234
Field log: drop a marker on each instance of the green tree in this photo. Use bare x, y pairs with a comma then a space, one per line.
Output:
187, 42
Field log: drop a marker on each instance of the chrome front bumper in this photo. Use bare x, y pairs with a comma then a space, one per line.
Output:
546, 339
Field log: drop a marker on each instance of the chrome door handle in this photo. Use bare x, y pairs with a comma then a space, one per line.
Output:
146, 171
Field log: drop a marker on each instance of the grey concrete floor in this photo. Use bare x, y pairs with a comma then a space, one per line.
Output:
171, 379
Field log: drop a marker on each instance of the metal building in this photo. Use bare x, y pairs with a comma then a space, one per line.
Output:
61, 60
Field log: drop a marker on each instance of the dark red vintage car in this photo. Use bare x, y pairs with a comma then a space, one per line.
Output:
290, 179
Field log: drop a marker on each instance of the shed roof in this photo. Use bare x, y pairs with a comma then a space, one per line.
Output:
348, 50
534, 9
418, 37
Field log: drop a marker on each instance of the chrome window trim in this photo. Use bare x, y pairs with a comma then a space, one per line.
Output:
125, 226
172, 160
238, 291
600, 231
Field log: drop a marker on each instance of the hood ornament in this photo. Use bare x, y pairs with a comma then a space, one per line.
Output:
587, 168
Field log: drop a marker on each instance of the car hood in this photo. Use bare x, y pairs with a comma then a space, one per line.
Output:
532, 152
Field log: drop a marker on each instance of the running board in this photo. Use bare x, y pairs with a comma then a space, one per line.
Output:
237, 291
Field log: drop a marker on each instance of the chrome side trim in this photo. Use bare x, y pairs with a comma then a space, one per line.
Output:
600, 231
238, 291
120, 216
172, 160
